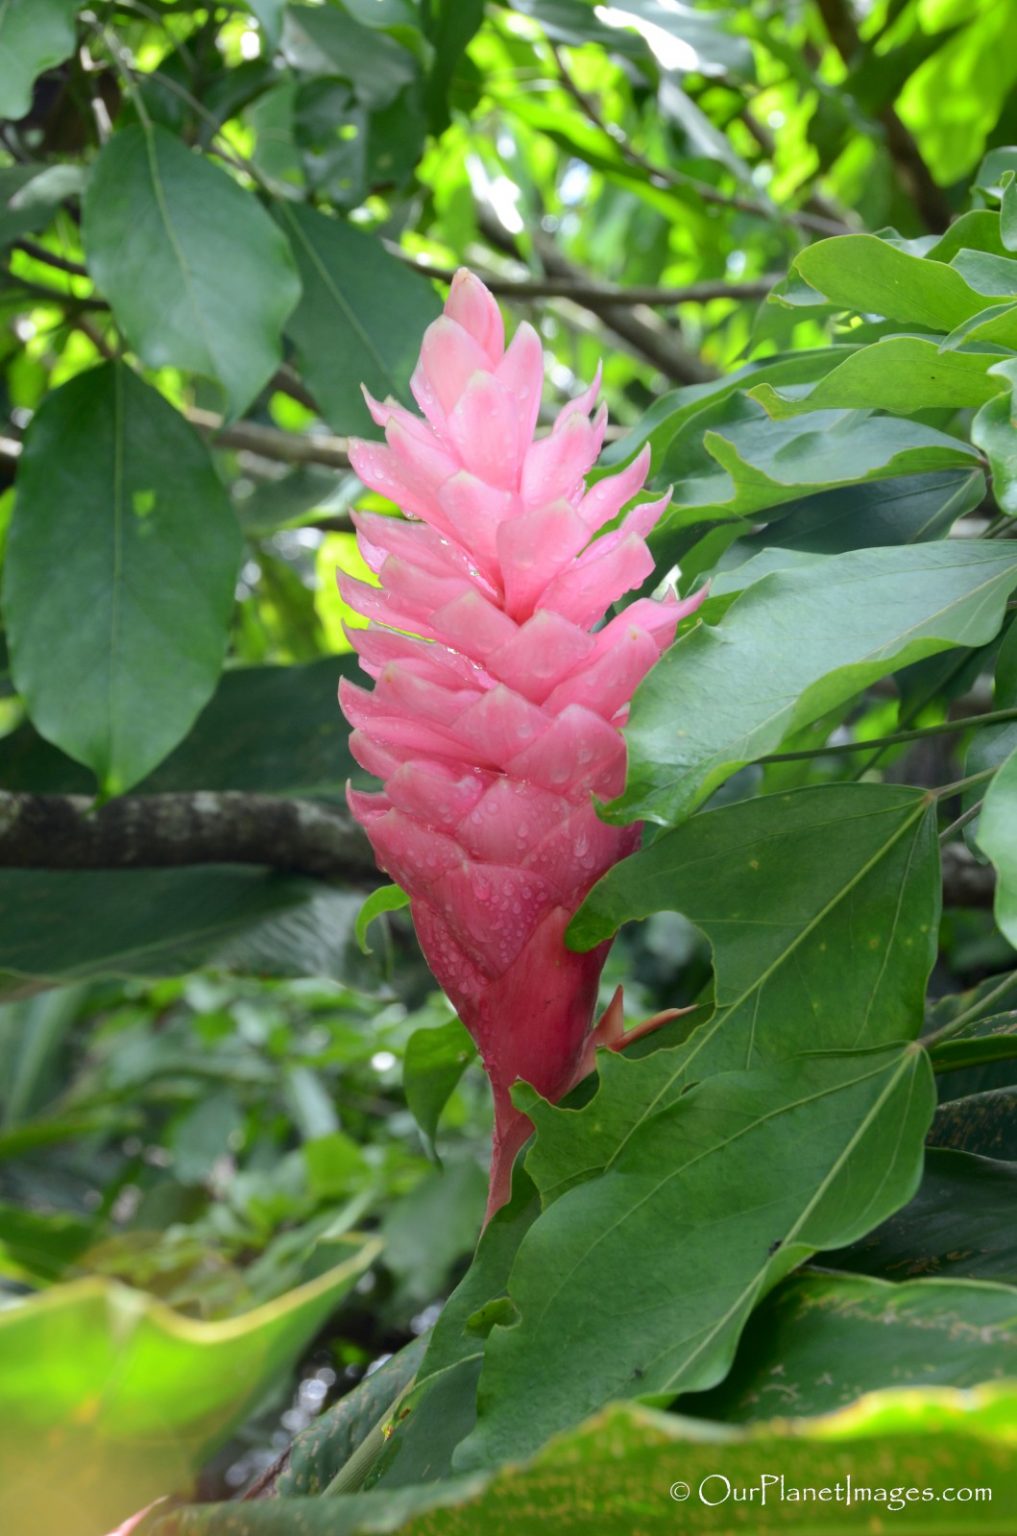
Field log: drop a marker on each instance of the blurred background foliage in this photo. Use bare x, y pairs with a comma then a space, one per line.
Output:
216, 222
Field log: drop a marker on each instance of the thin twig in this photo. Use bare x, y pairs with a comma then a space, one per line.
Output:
600, 293
950, 832
944, 728
50, 258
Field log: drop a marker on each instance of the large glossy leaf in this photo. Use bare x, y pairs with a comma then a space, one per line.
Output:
795, 644
360, 319
902, 373
821, 907
873, 276
272, 730
732, 460
67, 925
160, 220
34, 35
122, 555
909, 510
631, 1469
820, 1341
959, 1224
720, 1196
109, 1399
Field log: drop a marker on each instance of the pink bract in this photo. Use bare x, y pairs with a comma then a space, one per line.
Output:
497, 702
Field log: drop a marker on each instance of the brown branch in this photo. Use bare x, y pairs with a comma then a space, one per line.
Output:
157, 831
271, 443
50, 258
912, 171
248, 437
597, 294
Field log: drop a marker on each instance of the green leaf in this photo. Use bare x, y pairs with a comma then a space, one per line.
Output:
994, 430
997, 837
29, 196
901, 373
323, 40
720, 1195
732, 460
272, 730
34, 35
820, 1341
162, 220
959, 1224
360, 319
738, 688
982, 1042
433, 1227
822, 909
387, 898
322, 1450
436, 1058
110, 1399
270, 18
983, 1123
450, 24
120, 522
622, 1464
66, 925
871, 276
911, 510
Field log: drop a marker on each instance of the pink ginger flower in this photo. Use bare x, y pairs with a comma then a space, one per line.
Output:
496, 711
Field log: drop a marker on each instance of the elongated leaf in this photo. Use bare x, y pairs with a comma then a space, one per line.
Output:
872, 276
274, 730
109, 1399
732, 460
910, 510
795, 644
360, 318
985, 1042
320, 40
983, 1123
34, 35
820, 1341
160, 220
321, 1450
66, 925
120, 523
720, 1196
959, 1224
997, 836
903, 374
630, 1467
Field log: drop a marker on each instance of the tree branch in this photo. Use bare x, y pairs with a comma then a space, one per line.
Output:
247, 437
598, 294
304, 837
912, 171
